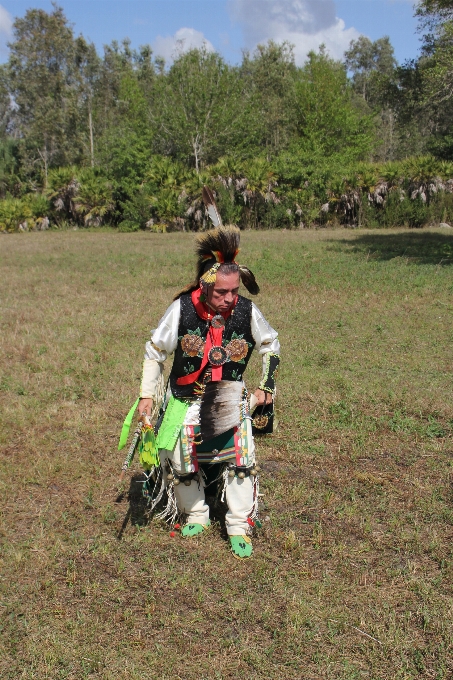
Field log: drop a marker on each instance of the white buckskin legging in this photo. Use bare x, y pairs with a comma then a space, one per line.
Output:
191, 499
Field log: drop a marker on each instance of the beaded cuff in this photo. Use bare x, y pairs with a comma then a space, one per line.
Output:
272, 362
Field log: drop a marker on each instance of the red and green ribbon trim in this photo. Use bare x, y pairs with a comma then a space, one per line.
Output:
213, 339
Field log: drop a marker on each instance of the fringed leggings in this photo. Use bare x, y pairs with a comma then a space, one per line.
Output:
240, 494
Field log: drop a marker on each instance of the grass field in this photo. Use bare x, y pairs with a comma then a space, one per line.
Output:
352, 574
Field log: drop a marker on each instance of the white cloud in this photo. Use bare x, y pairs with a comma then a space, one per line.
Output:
183, 40
6, 21
6, 24
304, 23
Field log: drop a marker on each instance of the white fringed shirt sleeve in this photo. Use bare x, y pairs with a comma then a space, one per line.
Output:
264, 335
164, 340
267, 344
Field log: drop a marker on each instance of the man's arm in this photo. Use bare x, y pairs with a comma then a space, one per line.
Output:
267, 344
163, 342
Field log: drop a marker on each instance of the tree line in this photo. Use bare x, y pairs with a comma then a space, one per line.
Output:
122, 139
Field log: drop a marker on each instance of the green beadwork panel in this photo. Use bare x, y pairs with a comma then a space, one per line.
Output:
222, 441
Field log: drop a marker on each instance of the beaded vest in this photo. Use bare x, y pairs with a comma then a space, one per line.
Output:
192, 331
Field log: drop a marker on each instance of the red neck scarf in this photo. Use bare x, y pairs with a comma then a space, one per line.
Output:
213, 339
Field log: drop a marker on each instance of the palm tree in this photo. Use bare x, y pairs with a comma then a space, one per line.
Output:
15, 215
62, 188
165, 172
94, 199
424, 177
257, 186
166, 205
192, 191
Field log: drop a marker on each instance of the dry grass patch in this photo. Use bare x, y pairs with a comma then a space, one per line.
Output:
352, 573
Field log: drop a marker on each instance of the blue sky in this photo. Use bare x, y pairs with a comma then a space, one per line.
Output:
229, 26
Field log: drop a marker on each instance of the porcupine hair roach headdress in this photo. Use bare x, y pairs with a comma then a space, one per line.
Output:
216, 249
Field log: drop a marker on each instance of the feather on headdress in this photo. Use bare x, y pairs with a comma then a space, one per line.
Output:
208, 200
216, 247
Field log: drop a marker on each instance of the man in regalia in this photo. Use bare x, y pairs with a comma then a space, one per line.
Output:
205, 416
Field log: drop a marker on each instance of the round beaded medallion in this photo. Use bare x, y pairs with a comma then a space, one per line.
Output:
218, 321
218, 356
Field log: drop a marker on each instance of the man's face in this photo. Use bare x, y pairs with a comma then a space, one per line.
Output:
222, 294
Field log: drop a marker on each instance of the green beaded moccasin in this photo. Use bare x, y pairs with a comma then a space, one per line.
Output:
190, 530
241, 546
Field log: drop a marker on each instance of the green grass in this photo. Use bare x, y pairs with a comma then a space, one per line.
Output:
352, 574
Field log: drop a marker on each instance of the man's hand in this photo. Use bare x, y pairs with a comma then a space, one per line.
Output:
145, 406
263, 397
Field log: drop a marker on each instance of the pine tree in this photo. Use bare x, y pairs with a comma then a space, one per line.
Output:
43, 83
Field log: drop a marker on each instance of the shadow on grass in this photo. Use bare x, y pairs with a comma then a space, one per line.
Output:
138, 512
420, 247
217, 512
